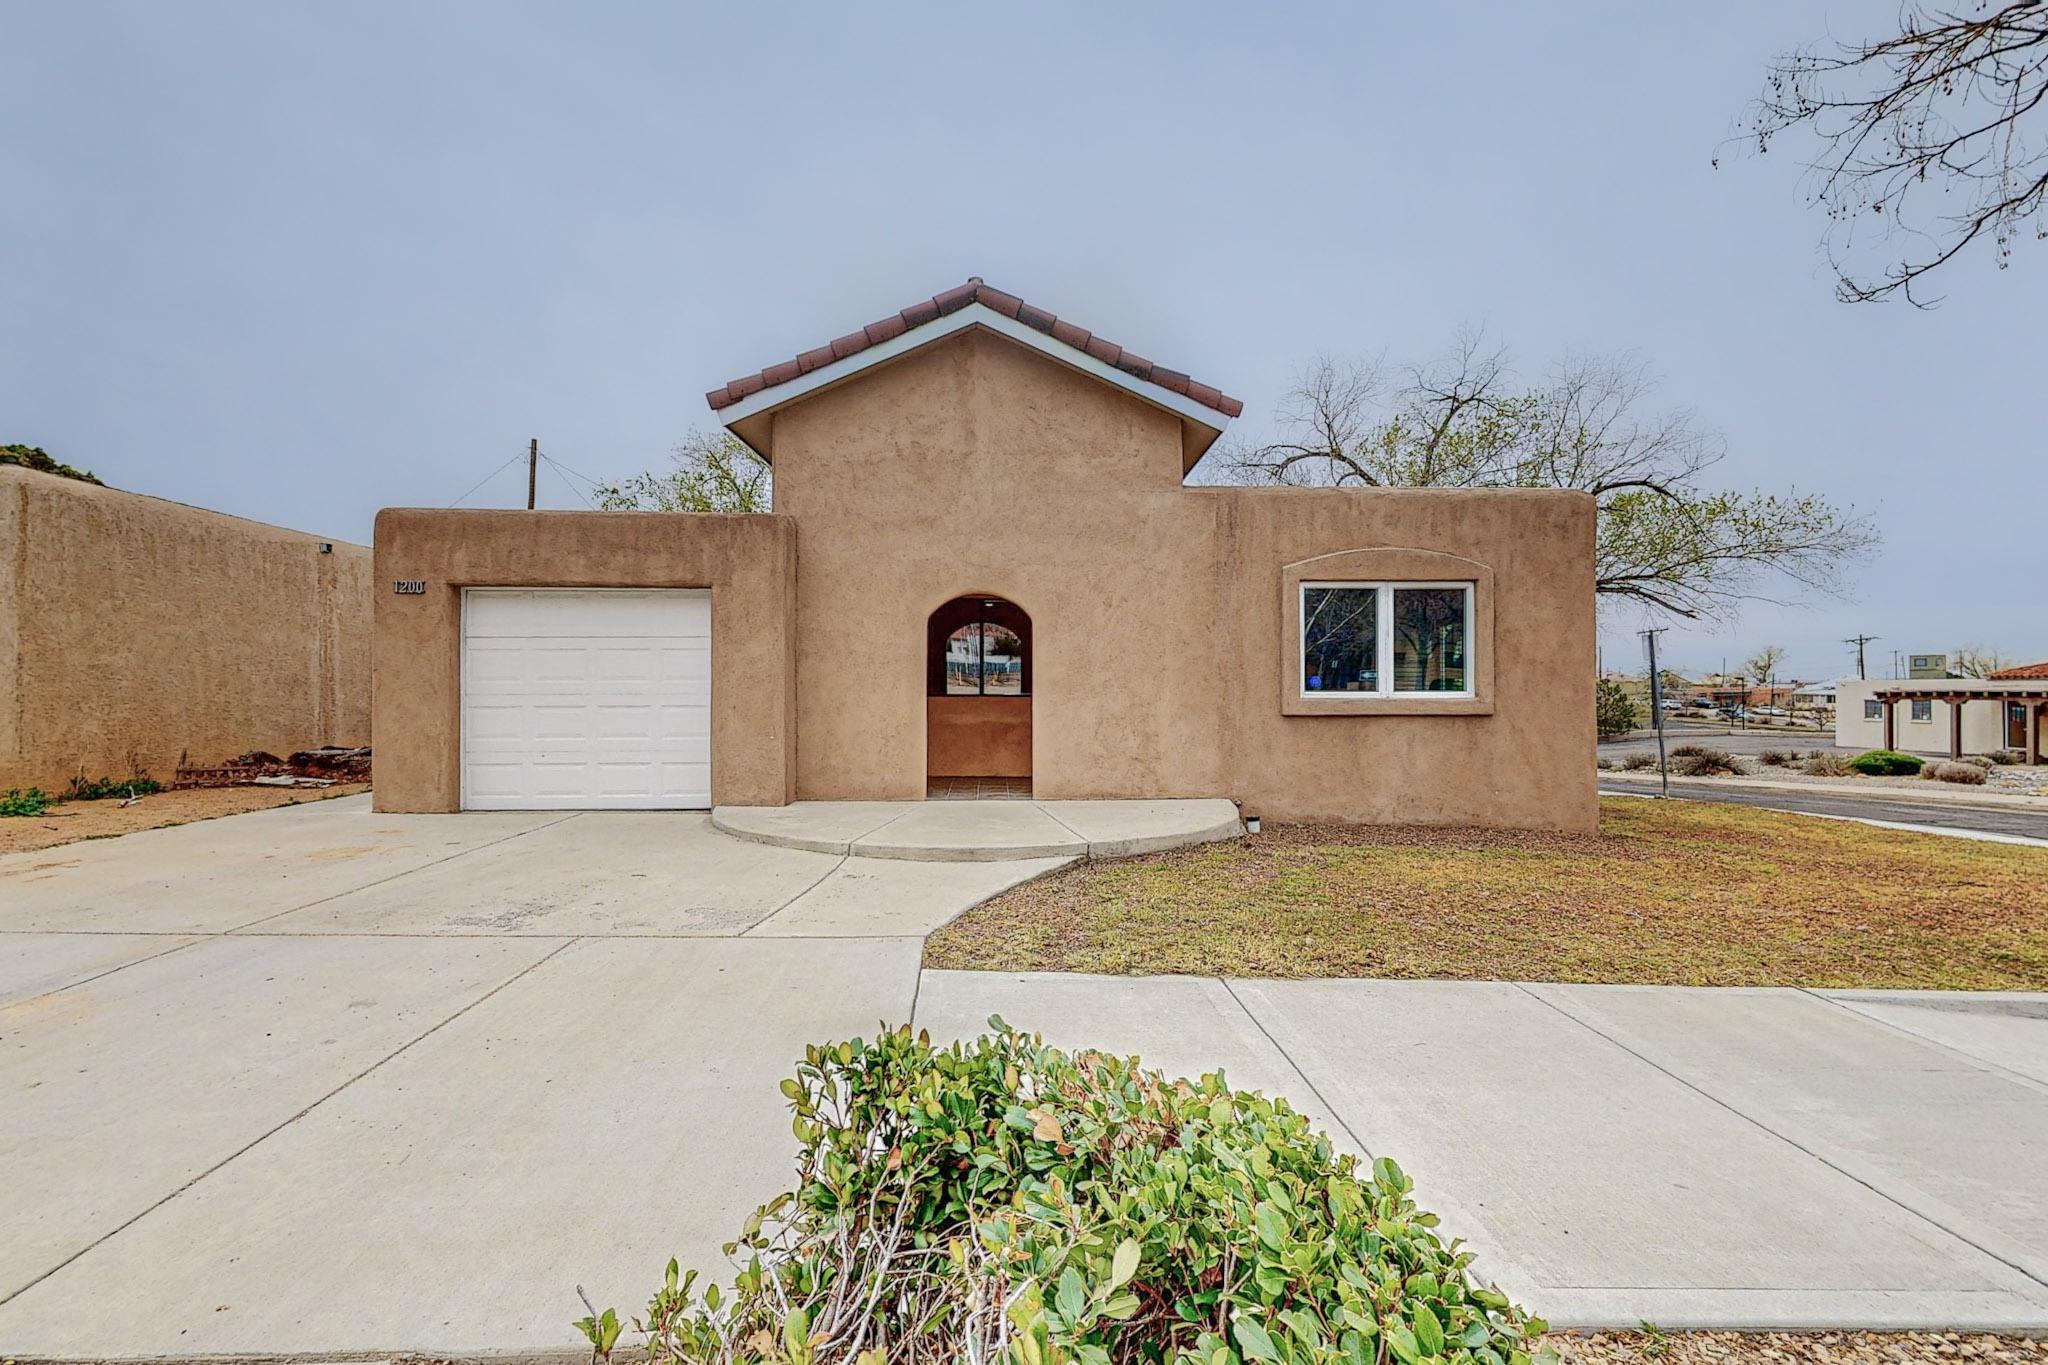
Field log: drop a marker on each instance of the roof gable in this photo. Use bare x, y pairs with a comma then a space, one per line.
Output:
1202, 408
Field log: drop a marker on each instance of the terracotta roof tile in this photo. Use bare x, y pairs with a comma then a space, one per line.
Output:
2024, 671
1035, 318
1009, 306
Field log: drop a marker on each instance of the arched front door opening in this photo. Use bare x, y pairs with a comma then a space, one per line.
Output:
977, 717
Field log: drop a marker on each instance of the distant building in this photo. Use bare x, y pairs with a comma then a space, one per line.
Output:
1927, 665
2002, 711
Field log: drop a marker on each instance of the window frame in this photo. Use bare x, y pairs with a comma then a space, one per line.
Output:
1913, 716
1383, 640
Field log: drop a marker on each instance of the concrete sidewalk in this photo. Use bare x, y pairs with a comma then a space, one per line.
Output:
1696, 1158
319, 1081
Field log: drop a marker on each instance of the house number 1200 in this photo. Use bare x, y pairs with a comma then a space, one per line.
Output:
409, 587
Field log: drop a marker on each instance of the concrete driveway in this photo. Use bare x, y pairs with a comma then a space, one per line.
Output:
318, 1080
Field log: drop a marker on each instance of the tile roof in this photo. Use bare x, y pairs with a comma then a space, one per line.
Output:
2024, 671
952, 301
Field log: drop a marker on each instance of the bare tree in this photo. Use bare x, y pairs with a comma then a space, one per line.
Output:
1934, 134
1666, 541
1763, 666
1975, 661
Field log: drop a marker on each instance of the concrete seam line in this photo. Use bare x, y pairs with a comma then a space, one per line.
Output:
1087, 847
908, 806
96, 976
791, 901
271, 1132
1849, 1007
460, 853
1789, 1141
1287, 1057
916, 989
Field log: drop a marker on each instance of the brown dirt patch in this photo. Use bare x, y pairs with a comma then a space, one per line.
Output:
1798, 1348
70, 821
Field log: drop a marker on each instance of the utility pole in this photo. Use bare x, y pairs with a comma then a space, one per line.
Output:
1657, 705
532, 469
1859, 641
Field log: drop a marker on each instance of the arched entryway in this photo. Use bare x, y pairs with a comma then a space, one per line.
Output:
977, 734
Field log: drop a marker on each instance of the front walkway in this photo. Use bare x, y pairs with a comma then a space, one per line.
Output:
955, 830
322, 1081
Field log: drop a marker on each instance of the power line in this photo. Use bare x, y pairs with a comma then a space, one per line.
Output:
566, 470
487, 478
562, 474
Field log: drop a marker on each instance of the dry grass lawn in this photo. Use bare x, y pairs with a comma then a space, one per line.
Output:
68, 822
1677, 893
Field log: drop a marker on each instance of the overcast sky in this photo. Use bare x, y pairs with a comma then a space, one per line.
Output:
301, 262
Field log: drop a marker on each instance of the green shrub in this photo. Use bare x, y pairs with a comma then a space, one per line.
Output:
1614, 711
1826, 763
100, 788
35, 457
1967, 774
1003, 1202
1885, 763
34, 801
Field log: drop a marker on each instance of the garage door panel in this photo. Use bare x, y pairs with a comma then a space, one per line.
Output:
579, 698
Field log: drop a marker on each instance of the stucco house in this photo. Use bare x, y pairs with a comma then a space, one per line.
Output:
983, 560
2005, 710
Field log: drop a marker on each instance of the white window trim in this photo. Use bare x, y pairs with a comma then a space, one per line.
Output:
1383, 643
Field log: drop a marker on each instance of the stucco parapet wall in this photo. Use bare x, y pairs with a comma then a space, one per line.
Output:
747, 562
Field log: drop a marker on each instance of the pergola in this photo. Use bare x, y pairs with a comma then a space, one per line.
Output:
2030, 694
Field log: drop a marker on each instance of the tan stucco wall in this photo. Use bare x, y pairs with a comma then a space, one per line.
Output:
978, 467
135, 629
748, 563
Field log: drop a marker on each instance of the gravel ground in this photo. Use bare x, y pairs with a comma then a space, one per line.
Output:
1796, 1348
70, 821
1747, 750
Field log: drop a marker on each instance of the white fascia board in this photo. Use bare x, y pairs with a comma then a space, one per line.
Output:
973, 315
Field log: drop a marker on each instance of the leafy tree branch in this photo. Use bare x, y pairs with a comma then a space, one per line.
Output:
713, 472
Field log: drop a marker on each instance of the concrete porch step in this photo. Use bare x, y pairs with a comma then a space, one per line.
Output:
983, 831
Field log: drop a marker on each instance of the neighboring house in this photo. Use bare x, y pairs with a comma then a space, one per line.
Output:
1812, 696
1955, 716
975, 469
133, 630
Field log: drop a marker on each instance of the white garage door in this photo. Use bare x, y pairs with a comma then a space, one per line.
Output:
576, 699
